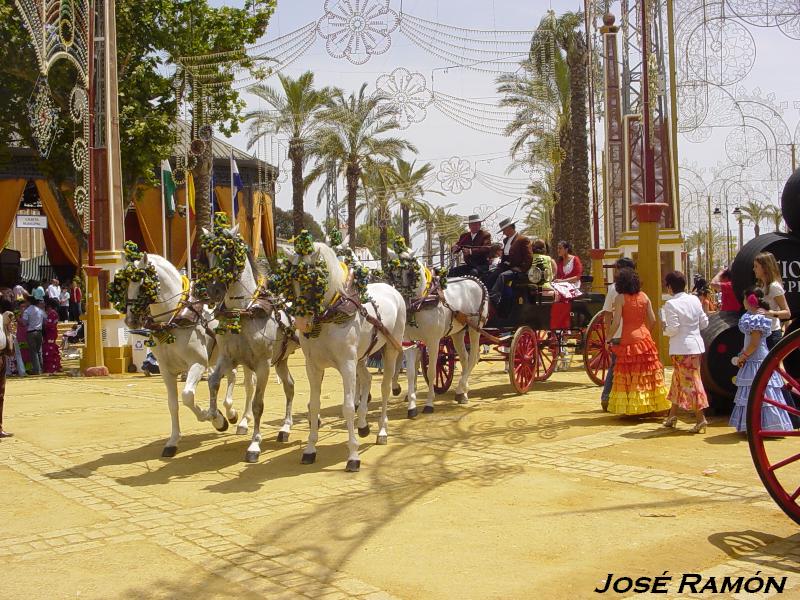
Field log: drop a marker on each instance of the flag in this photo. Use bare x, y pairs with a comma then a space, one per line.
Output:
168, 188
236, 187
190, 194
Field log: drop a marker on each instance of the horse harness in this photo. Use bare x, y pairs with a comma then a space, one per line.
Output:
187, 314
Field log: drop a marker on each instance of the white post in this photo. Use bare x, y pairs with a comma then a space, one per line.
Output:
188, 232
163, 215
233, 187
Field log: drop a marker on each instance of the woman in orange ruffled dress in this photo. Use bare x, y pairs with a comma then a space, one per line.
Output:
638, 384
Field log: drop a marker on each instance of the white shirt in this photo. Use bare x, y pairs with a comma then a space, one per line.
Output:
608, 306
774, 290
507, 245
683, 318
53, 291
63, 298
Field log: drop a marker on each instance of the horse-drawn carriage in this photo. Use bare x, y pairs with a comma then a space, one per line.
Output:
531, 330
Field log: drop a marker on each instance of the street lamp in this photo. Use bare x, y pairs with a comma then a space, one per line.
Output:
738, 212
718, 212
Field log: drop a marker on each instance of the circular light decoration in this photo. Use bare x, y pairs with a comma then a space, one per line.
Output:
197, 146
78, 103
357, 30
79, 154
205, 133
455, 175
721, 52
81, 199
43, 116
191, 162
66, 23
179, 175
407, 93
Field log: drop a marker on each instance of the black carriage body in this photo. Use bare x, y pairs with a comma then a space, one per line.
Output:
530, 307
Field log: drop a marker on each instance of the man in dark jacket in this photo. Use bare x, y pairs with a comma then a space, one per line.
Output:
474, 246
516, 261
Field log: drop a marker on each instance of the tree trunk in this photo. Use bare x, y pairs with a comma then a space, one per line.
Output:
202, 180
351, 175
384, 241
429, 244
296, 155
579, 204
406, 223
757, 228
441, 251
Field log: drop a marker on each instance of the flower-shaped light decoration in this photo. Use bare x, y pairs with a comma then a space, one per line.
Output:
488, 215
408, 93
455, 175
357, 29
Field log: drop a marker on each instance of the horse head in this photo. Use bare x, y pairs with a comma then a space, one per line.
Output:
225, 254
404, 269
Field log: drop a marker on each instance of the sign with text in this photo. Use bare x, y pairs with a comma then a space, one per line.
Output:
31, 222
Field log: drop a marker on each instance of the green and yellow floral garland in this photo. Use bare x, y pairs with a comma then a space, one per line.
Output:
361, 274
148, 291
312, 279
231, 253
403, 261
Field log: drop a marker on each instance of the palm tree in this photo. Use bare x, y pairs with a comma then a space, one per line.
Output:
448, 229
351, 137
697, 241
379, 195
295, 111
427, 216
754, 212
409, 188
775, 214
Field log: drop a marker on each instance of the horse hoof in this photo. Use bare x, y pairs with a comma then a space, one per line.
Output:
363, 431
223, 427
396, 390
308, 459
461, 398
169, 451
283, 436
241, 430
251, 456
412, 412
234, 419
427, 410
382, 440
353, 466
369, 397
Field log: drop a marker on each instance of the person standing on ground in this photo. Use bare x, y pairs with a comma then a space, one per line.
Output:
37, 291
722, 283
75, 296
474, 245
33, 319
637, 387
54, 289
614, 336
50, 351
6, 349
63, 305
683, 318
768, 279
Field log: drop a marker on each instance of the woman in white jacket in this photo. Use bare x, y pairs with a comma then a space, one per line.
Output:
683, 318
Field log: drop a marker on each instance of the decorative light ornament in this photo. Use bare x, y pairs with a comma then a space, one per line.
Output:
455, 175
43, 116
407, 93
80, 154
357, 29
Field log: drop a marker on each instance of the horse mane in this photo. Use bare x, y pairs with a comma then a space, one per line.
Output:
159, 262
336, 280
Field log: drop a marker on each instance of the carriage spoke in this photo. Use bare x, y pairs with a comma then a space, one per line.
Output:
784, 462
779, 434
780, 405
790, 380
795, 495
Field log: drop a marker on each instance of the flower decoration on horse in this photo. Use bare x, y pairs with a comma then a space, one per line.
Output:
230, 251
312, 279
130, 273
404, 270
361, 274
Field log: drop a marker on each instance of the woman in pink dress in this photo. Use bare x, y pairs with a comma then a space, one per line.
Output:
52, 355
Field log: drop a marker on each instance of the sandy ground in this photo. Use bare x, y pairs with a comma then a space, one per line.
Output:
509, 497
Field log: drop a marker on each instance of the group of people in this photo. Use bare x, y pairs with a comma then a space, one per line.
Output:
635, 382
515, 259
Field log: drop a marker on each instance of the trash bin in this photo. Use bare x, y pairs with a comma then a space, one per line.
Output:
138, 351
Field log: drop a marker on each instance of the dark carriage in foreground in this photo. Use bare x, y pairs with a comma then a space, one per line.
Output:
531, 330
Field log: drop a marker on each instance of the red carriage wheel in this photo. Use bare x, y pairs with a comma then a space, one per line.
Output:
523, 359
547, 355
778, 460
445, 365
596, 355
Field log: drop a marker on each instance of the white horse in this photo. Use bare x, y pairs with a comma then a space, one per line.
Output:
344, 345
191, 352
465, 309
266, 337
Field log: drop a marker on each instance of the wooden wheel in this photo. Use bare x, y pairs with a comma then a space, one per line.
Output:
547, 355
596, 355
523, 359
445, 365
778, 460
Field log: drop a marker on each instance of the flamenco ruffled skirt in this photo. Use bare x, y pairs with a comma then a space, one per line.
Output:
638, 383
773, 418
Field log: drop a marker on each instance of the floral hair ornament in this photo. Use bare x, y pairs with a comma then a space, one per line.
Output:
752, 300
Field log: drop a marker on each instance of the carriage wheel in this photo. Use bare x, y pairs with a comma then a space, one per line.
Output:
596, 355
778, 460
547, 355
445, 365
523, 359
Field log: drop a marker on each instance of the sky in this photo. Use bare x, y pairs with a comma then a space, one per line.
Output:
439, 138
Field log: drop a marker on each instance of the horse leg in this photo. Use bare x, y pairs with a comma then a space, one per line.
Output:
171, 447
314, 375
282, 369
396, 389
411, 377
218, 420
348, 371
474, 356
262, 376
230, 412
193, 376
463, 357
432, 345
363, 384
247, 415
389, 353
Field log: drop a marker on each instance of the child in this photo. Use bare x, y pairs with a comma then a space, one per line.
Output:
150, 365
756, 327
495, 253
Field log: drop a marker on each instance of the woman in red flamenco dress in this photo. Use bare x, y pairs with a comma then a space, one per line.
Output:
638, 384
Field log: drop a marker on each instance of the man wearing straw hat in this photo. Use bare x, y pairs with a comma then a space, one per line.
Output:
474, 245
